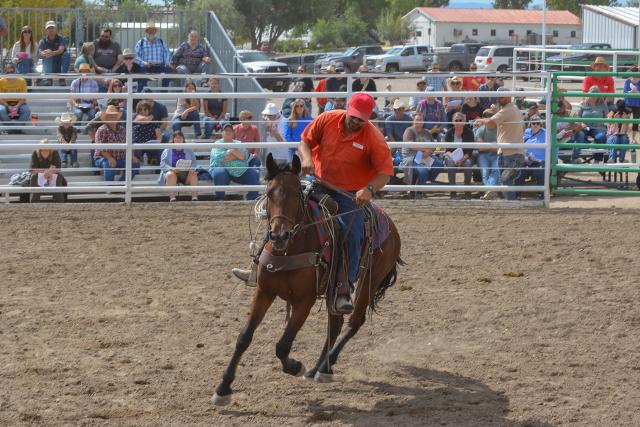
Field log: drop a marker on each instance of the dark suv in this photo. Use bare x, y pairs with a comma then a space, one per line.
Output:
350, 59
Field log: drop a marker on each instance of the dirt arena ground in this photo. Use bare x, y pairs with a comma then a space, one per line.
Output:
127, 316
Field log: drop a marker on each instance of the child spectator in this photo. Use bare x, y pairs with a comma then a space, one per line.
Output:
172, 173
215, 109
45, 168
188, 112
67, 134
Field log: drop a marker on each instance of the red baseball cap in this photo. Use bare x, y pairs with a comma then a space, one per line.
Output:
361, 106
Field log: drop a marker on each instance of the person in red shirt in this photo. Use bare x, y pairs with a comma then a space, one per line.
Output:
604, 83
344, 149
246, 131
472, 83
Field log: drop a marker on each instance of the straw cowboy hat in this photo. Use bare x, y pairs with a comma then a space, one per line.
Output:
151, 26
128, 53
85, 68
111, 114
398, 104
65, 118
599, 61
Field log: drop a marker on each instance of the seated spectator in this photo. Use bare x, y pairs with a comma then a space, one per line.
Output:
632, 85
322, 87
161, 117
115, 86
229, 164
90, 129
84, 84
604, 84
53, 51
173, 173
394, 127
594, 107
153, 55
145, 129
246, 131
298, 120
106, 52
13, 111
307, 82
471, 108
437, 82
433, 112
127, 66
460, 132
617, 132
112, 132
215, 110
86, 57
67, 134
472, 83
488, 158
534, 158
419, 164
568, 133
187, 112
363, 84
336, 104
286, 105
191, 57
452, 104
415, 100
491, 85
25, 51
45, 172
272, 130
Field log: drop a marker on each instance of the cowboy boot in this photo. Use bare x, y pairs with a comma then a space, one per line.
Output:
249, 277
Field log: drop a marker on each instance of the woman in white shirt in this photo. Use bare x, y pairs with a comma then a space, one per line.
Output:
24, 51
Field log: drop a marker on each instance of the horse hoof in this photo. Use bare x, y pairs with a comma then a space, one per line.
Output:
301, 371
309, 375
218, 400
323, 378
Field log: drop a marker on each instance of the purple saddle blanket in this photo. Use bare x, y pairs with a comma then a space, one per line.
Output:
379, 236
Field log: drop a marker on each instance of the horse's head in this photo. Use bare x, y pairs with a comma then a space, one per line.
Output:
285, 208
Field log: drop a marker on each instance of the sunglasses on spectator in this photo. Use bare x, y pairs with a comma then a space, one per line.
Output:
458, 121
128, 59
455, 83
300, 105
536, 124
26, 31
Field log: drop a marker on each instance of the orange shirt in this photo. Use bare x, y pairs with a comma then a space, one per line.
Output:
472, 83
347, 161
322, 87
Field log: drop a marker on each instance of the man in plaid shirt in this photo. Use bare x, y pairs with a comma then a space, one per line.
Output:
153, 55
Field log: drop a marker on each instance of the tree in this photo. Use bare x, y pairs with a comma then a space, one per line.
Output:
402, 7
230, 18
348, 30
393, 29
511, 4
574, 6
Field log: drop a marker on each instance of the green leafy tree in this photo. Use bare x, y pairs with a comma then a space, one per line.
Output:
393, 29
347, 30
574, 6
402, 7
230, 18
511, 4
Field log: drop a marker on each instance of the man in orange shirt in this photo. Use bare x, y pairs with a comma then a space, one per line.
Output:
349, 152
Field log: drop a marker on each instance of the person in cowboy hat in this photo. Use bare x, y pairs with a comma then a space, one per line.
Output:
604, 83
153, 55
84, 84
272, 130
45, 168
345, 149
67, 134
112, 132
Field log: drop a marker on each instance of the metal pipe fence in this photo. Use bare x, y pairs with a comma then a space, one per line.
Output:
129, 187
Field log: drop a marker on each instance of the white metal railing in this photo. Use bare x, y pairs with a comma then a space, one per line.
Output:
128, 188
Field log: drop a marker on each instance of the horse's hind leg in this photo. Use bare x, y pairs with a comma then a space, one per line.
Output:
260, 305
335, 325
299, 313
324, 370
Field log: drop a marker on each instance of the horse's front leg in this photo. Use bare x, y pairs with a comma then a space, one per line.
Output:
334, 326
260, 305
299, 313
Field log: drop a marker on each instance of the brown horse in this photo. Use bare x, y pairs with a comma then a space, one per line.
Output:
289, 236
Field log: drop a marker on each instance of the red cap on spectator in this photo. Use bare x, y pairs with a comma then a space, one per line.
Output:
361, 106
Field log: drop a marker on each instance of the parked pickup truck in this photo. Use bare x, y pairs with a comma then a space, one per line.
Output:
350, 59
459, 56
401, 58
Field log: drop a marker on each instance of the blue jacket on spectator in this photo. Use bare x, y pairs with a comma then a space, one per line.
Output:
535, 138
631, 102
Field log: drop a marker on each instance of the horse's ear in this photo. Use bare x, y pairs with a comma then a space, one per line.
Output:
272, 167
295, 165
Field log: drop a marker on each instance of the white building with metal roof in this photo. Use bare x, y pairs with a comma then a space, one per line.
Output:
617, 26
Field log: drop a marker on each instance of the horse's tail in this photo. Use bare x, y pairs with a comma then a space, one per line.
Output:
388, 281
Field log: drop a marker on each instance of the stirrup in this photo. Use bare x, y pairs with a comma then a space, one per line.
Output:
343, 304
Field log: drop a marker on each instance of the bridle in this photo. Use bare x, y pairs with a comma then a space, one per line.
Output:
296, 221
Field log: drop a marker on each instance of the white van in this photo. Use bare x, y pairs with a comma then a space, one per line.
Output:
495, 58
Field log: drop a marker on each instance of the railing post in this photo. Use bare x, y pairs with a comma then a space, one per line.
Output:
514, 68
349, 87
615, 62
550, 135
551, 129
129, 134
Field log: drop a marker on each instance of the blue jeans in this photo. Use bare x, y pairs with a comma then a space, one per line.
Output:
209, 126
81, 112
193, 119
71, 153
222, 177
56, 64
154, 69
25, 66
24, 114
488, 163
614, 153
510, 166
600, 137
430, 174
110, 174
533, 170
